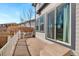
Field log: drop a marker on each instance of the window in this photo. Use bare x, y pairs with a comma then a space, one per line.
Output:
37, 25
42, 23
62, 22
50, 25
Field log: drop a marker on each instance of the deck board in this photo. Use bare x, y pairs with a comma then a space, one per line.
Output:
21, 48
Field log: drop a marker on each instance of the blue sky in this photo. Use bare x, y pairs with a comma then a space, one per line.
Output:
11, 12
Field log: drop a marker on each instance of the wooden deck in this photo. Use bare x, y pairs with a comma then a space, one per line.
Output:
21, 48
36, 47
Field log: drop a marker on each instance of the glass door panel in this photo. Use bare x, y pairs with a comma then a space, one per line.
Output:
50, 25
62, 22
59, 24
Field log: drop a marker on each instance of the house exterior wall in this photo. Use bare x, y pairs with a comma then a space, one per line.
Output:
74, 37
49, 8
77, 28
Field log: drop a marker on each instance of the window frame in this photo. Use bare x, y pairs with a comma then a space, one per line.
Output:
48, 21
43, 23
55, 40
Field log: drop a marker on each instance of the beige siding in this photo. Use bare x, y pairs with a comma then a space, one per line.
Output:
77, 28
50, 7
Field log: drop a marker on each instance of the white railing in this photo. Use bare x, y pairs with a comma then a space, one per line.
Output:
28, 34
8, 48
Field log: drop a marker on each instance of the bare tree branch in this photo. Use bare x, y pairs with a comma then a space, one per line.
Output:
27, 13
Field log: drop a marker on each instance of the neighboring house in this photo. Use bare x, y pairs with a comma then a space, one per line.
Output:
27, 23
58, 22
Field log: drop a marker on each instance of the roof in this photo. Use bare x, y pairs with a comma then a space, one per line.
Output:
42, 7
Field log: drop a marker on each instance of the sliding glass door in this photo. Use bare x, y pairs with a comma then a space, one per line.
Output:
59, 23
60, 29
50, 26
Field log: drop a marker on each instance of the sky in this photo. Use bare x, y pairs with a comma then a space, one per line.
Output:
11, 12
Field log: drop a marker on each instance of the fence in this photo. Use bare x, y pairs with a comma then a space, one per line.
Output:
8, 48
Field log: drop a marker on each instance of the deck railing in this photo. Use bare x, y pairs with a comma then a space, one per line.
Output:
8, 48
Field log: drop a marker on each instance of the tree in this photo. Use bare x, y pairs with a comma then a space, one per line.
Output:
26, 14
29, 15
22, 16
